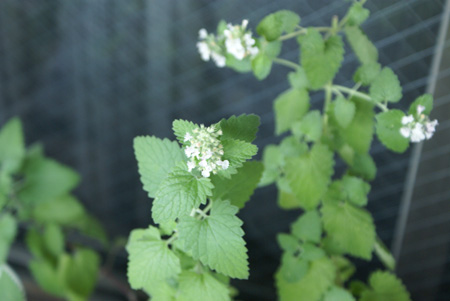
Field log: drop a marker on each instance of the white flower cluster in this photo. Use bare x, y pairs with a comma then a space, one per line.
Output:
235, 40
205, 151
418, 128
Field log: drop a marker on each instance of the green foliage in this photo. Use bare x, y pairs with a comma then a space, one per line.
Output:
12, 146
313, 170
361, 45
388, 130
321, 59
357, 14
384, 254
202, 287
236, 152
338, 294
298, 79
8, 229
273, 25
261, 66
310, 127
10, 286
425, 100
344, 111
308, 227
243, 127
289, 107
178, 193
385, 286
156, 158
355, 190
386, 87
367, 73
217, 240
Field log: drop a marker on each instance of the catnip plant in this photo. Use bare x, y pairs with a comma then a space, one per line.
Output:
36, 199
333, 226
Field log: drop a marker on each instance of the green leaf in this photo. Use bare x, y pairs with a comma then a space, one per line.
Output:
217, 240
310, 252
63, 210
10, 286
363, 166
150, 258
292, 268
356, 190
272, 160
243, 66
338, 294
350, 227
384, 254
79, 273
270, 49
288, 243
161, 290
241, 186
357, 14
308, 227
6, 182
361, 45
388, 130
298, 79
243, 127
309, 175
385, 286
286, 200
292, 147
12, 146
36, 245
386, 87
290, 106
311, 287
45, 180
345, 268
273, 25
156, 158
320, 59
54, 239
236, 152
425, 100
8, 230
359, 132
47, 277
367, 73
344, 111
181, 127
178, 194
201, 287
310, 126
261, 66
90, 226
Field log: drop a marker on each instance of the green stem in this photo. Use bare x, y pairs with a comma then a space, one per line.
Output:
292, 34
172, 238
351, 92
328, 94
286, 63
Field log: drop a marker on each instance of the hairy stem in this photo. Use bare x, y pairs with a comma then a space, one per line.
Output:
292, 34
286, 63
352, 92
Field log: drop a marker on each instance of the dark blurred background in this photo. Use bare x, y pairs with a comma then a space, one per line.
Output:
86, 77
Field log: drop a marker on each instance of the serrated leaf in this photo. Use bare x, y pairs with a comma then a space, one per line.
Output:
338, 294
217, 240
292, 147
178, 194
298, 79
357, 14
181, 127
361, 45
288, 243
273, 25
47, 277
292, 268
12, 146
344, 111
308, 227
386, 87
350, 227
236, 152
356, 190
156, 158
286, 200
272, 160
63, 210
241, 186
310, 252
150, 258
425, 100
320, 59
309, 175
10, 287
201, 287
385, 286
359, 132
161, 290
363, 166
261, 66
388, 130
290, 106
310, 127
45, 180
8, 229
244, 127
54, 239
367, 73
311, 287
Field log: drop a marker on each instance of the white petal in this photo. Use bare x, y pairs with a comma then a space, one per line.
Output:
405, 131
206, 174
202, 34
420, 109
407, 119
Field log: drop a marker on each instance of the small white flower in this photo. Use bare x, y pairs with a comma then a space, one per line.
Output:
191, 151
191, 165
417, 133
202, 34
405, 132
430, 128
187, 137
224, 164
206, 173
244, 23
420, 109
218, 59
204, 51
407, 119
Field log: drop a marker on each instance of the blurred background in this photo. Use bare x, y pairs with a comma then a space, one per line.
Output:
86, 77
